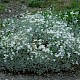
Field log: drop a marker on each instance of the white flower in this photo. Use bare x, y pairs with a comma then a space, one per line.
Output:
3, 25
5, 60
46, 56
28, 30
41, 47
79, 46
46, 50
68, 54
76, 13
51, 53
11, 57
77, 62
72, 13
42, 57
57, 54
28, 58
18, 48
13, 53
54, 60
50, 31
78, 53
9, 10
5, 55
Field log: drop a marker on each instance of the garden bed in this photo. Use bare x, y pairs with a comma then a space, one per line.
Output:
39, 41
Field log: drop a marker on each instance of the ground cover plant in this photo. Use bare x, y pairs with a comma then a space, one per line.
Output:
40, 42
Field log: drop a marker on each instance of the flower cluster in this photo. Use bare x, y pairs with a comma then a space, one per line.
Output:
42, 36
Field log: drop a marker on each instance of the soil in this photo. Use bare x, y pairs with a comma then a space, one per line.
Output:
13, 9
53, 76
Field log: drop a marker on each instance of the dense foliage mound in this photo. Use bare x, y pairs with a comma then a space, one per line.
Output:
38, 42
